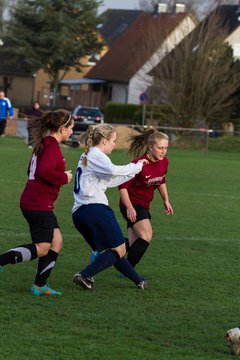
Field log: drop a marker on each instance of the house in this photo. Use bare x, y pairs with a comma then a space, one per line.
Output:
198, 80
76, 86
228, 18
125, 67
230, 15
116, 22
16, 81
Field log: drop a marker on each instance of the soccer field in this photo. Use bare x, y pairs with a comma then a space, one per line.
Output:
192, 267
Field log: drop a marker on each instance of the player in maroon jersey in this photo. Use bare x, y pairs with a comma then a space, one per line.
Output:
137, 194
46, 174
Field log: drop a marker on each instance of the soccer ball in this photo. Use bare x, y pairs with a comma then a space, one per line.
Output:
233, 338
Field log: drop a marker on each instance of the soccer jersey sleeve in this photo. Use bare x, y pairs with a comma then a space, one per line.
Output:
51, 166
114, 174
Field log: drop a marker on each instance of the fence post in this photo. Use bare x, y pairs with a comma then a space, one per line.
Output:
207, 140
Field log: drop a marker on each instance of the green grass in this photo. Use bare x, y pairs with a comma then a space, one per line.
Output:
192, 267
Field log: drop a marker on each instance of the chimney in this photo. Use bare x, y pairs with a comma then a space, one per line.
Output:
180, 8
162, 8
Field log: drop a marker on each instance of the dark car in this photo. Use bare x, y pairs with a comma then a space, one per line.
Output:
85, 116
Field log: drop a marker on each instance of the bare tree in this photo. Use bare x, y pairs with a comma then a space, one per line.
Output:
198, 79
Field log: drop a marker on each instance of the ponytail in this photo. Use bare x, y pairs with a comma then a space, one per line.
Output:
49, 122
139, 143
88, 145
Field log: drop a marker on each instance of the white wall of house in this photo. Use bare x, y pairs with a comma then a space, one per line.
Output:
141, 80
234, 41
119, 92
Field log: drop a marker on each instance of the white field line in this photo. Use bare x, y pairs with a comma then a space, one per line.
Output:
207, 195
184, 238
220, 195
11, 234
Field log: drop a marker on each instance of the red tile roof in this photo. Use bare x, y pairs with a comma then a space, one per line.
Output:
130, 52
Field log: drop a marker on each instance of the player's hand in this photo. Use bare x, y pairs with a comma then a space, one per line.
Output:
131, 214
69, 175
144, 161
168, 208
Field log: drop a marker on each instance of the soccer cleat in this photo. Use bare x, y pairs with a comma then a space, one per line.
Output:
85, 283
93, 255
142, 285
233, 338
44, 290
90, 279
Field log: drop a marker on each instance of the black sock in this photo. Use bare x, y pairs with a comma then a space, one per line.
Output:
45, 266
19, 254
102, 262
136, 251
126, 269
127, 244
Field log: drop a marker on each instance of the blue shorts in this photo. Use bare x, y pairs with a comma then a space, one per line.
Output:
99, 227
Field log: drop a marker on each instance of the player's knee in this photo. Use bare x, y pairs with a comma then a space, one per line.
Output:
57, 242
121, 250
42, 249
57, 245
147, 236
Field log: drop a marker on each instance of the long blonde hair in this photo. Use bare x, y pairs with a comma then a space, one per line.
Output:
97, 133
139, 143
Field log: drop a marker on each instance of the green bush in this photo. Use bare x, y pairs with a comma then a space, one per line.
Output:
132, 113
120, 113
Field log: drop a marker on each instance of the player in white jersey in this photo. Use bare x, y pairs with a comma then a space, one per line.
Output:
92, 216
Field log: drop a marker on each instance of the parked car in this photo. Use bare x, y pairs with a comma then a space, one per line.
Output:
85, 116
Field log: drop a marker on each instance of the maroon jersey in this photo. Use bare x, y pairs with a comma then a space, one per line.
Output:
46, 174
141, 187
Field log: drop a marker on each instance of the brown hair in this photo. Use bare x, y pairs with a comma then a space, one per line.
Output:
103, 131
140, 143
49, 122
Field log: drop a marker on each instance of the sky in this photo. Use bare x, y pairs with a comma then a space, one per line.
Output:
118, 4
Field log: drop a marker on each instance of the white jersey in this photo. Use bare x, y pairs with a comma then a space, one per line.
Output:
92, 181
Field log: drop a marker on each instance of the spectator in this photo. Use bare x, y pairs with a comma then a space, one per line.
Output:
5, 111
33, 113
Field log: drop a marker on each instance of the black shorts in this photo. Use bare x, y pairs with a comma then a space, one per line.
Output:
41, 224
142, 213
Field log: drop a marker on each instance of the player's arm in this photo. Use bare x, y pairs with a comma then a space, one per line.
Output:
162, 189
131, 213
46, 169
114, 174
10, 109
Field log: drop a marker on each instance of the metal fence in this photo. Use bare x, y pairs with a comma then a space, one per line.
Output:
199, 138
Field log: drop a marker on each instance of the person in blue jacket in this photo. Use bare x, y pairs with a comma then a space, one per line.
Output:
6, 110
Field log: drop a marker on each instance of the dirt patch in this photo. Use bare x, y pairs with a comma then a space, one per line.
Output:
123, 134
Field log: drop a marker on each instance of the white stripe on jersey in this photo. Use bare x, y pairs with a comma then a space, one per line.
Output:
33, 167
